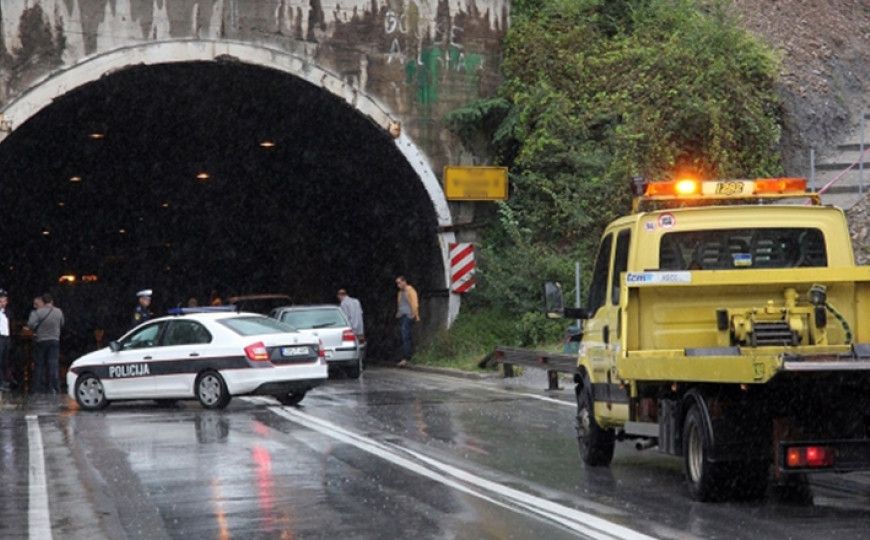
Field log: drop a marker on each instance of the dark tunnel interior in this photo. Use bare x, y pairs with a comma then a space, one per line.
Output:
195, 177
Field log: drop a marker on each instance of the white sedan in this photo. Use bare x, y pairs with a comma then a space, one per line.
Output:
207, 356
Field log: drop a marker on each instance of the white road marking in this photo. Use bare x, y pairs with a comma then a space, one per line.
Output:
38, 520
499, 390
513, 499
545, 398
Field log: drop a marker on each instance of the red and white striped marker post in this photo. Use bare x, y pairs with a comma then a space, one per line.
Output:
462, 265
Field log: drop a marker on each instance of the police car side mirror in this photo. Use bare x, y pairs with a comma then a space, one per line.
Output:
115, 346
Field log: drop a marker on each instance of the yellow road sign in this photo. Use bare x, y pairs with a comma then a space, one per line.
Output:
469, 183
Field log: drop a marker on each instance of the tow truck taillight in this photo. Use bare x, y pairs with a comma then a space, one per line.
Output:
809, 457
348, 335
257, 352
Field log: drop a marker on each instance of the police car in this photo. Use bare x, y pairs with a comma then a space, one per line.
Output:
208, 356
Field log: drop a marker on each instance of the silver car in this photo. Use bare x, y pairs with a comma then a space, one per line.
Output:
329, 323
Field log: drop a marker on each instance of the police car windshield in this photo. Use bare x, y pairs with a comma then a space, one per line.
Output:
725, 249
256, 326
314, 318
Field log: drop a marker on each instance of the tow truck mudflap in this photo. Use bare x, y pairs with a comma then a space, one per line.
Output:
812, 456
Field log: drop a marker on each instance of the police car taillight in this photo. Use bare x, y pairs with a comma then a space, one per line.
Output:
321, 352
257, 352
348, 335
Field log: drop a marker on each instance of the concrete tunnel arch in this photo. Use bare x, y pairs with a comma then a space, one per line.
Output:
44, 92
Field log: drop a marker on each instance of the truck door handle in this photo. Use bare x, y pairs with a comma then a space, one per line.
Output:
194, 354
605, 334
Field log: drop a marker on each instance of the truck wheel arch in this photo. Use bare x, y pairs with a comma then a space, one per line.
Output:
694, 398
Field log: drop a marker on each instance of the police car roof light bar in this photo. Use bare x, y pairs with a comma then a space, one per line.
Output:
204, 309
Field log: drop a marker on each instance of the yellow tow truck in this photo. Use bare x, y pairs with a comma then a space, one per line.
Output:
726, 323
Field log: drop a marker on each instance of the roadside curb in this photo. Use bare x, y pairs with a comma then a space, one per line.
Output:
450, 372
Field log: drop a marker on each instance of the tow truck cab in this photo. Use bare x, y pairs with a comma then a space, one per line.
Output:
731, 329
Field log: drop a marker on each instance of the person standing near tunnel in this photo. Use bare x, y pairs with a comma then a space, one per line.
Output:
5, 340
353, 309
143, 308
407, 312
46, 321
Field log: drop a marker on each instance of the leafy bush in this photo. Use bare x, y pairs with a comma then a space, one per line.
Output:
474, 334
596, 92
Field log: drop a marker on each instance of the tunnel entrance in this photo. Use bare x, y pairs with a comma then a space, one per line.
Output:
196, 177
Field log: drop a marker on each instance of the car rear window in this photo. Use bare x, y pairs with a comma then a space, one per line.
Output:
314, 318
726, 249
255, 326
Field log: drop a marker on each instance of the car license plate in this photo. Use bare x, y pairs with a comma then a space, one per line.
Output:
294, 351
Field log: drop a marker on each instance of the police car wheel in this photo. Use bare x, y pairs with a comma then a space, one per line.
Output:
211, 390
89, 393
290, 399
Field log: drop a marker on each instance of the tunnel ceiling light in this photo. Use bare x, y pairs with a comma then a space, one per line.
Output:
96, 135
122, 231
61, 204
203, 176
267, 144
45, 232
75, 179
165, 205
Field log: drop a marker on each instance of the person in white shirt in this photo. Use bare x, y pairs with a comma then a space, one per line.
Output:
5, 340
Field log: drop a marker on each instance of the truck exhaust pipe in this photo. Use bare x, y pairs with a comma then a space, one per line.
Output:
645, 444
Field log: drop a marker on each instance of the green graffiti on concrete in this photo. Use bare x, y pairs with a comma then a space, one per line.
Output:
425, 70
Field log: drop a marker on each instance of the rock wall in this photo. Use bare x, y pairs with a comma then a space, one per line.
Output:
859, 226
419, 58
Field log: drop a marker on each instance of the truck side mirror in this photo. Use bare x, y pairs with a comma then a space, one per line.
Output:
554, 304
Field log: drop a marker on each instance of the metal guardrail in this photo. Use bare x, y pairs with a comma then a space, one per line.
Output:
554, 363
859, 161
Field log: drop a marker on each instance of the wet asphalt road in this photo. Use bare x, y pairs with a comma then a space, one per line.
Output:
397, 454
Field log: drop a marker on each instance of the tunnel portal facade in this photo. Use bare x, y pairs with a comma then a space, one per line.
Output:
399, 64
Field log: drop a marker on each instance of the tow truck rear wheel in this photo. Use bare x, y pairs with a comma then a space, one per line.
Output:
706, 479
595, 442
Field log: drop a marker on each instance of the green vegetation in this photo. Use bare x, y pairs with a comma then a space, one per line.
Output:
478, 330
595, 93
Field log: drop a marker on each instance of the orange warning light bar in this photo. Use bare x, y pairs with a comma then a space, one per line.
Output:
687, 187
671, 189
780, 185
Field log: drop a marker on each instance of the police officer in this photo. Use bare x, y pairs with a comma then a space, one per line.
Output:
143, 310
